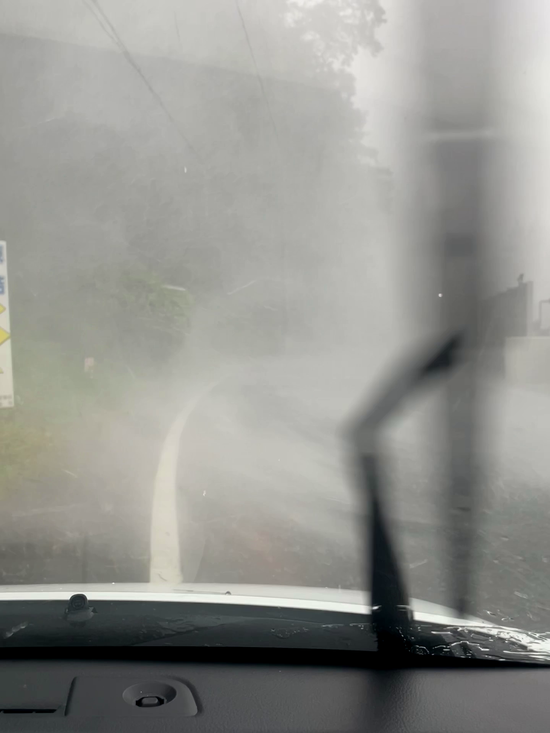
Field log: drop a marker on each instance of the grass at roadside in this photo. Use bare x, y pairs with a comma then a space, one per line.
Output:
53, 397
25, 449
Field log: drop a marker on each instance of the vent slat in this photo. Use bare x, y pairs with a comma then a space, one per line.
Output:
26, 711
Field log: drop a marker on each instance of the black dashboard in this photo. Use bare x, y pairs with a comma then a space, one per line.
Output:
107, 694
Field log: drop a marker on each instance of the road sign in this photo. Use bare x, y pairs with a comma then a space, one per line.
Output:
6, 369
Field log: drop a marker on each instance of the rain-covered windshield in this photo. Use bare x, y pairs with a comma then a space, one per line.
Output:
220, 229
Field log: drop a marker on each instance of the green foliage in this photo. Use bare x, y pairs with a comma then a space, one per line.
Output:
140, 292
52, 388
25, 446
286, 178
131, 315
54, 398
337, 29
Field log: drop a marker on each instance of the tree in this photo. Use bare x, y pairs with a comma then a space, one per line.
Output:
132, 314
337, 29
304, 153
276, 179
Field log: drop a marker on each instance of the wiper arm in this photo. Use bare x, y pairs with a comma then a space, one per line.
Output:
391, 614
456, 140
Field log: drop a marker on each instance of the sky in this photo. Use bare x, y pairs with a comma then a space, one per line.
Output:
389, 89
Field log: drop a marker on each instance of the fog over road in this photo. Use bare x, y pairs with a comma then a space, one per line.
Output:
267, 491
246, 194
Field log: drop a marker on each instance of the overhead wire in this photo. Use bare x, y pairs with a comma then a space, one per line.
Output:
257, 70
110, 30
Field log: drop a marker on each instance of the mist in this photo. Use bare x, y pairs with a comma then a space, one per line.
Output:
224, 231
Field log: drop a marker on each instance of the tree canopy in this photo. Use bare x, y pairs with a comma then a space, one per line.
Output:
275, 178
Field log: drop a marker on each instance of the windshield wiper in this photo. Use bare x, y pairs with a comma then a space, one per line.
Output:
457, 136
391, 613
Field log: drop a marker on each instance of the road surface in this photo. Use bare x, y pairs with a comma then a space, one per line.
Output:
267, 495
86, 518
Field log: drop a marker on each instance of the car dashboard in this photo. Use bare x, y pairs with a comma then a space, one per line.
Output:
296, 695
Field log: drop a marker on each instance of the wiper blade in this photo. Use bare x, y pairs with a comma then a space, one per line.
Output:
391, 614
455, 141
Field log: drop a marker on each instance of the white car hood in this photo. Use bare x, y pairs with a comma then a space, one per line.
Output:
276, 596
520, 645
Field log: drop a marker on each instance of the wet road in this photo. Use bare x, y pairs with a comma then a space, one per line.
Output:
267, 496
86, 518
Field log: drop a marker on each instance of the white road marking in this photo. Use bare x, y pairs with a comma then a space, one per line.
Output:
165, 565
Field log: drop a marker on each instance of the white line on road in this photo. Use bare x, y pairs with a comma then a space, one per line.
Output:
165, 565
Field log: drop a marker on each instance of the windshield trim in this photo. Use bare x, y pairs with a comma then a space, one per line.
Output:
289, 597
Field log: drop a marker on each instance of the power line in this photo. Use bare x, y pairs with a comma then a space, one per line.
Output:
109, 29
258, 75
104, 28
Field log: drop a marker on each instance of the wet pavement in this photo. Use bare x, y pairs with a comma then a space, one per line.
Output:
86, 519
266, 495
265, 485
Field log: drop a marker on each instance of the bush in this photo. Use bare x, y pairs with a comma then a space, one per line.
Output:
130, 315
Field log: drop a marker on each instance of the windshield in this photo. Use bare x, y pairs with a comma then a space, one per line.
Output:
225, 227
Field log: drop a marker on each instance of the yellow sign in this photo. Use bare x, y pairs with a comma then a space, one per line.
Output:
4, 336
2, 309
